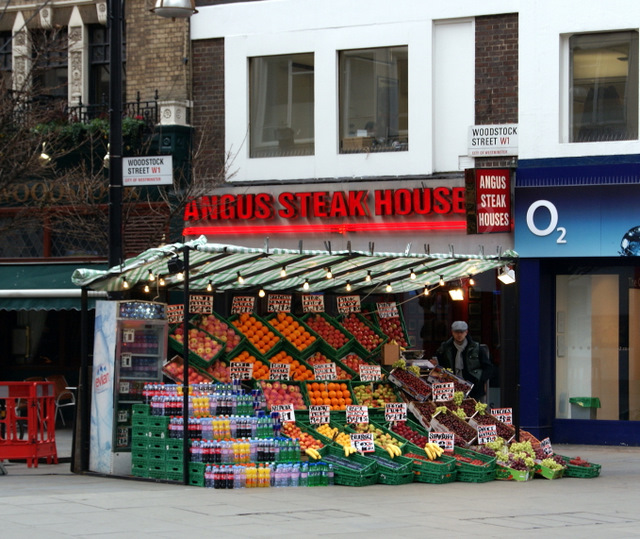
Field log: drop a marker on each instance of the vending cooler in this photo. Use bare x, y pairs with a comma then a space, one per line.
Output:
130, 347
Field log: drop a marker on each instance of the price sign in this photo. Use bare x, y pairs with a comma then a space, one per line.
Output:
363, 442
443, 439
240, 371
370, 373
125, 361
443, 391
279, 371
200, 304
357, 414
312, 303
487, 433
243, 304
387, 310
348, 304
277, 303
545, 445
175, 314
123, 416
319, 414
123, 436
503, 414
125, 388
128, 335
325, 371
395, 411
287, 415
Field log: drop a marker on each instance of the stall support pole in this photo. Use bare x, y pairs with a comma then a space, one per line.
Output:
185, 372
82, 424
516, 409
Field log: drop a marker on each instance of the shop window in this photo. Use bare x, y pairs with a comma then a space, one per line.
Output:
374, 100
282, 105
604, 86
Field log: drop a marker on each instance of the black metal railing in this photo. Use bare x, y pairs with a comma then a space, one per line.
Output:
138, 109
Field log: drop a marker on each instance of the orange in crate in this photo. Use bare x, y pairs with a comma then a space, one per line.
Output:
336, 395
298, 371
292, 330
256, 332
260, 369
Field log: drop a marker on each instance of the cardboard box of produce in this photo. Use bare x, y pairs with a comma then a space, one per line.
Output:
390, 353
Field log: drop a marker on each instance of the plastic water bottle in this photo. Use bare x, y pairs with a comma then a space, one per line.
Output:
331, 475
295, 475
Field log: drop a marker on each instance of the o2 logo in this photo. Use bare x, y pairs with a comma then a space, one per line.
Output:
540, 206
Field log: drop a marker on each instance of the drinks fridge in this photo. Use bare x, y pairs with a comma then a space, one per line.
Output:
130, 347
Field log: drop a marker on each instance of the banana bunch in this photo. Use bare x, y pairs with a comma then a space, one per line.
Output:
393, 450
433, 451
313, 453
349, 450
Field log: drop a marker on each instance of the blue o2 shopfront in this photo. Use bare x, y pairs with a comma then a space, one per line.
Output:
578, 236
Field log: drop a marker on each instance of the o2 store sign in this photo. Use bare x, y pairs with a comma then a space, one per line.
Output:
577, 221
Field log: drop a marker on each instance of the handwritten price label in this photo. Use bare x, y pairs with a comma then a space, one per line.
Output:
243, 304
319, 414
325, 371
503, 414
357, 414
443, 439
545, 445
279, 371
287, 415
395, 411
387, 310
279, 303
370, 373
175, 314
240, 371
312, 303
363, 442
348, 304
200, 304
443, 391
487, 433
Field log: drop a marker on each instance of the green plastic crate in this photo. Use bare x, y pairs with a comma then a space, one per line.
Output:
472, 473
324, 347
583, 472
392, 471
444, 470
196, 474
343, 474
288, 345
196, 322
141, 410
139, 470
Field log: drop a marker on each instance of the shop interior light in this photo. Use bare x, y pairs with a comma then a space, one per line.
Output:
125, 283
329, 274
367, 279
388, 288
507, 275
426, 290
240, 278
180, 276
151, 276
472, 281
146, 288
441, 280
348, 287
161, 281
209, 286
262, 293
412, 275
305, 286
283, 272
456, 294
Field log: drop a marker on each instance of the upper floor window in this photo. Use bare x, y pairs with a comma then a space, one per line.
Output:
98, 64
5, 58
50, 71
604, 86
374, 100
281, 95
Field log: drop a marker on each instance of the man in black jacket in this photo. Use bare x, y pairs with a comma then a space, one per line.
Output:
466, 358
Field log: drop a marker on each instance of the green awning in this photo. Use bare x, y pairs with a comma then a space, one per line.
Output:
40, 286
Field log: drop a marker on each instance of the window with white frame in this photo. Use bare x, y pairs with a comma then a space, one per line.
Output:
281, 95
50, 68
374, 100
604, 86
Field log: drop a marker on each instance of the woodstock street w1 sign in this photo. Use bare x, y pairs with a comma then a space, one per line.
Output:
150, 170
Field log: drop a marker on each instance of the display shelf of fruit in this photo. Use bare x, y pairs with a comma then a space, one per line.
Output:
366, 335
204, 349
296, 332
440, 375
262, 336
307, 441
342, 372
447, 421
526, 436
382, 437
353, 362
276, 392
260, 367
411, 432
507, 432
423, 412
580, 468
298, 369
393, 328
174, 369
220, 371
329, 331
220, 329
550, 468
334, 433
374, 394
336, 395
410, 383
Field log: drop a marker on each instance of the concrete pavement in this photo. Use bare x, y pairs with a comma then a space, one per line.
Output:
50, 501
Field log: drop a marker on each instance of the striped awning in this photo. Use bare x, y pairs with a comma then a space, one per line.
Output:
221, 266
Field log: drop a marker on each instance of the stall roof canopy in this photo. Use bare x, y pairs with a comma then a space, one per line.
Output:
221, 266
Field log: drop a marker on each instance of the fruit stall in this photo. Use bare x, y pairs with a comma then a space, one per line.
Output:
278, 389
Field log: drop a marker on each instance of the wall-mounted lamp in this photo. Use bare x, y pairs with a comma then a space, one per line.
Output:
506, 275
175, 9
44, 157
106, 160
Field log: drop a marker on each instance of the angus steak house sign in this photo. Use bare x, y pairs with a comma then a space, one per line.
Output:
299, 211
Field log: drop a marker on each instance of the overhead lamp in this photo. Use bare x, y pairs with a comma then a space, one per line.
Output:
175, 265
426, 290
240, 278
412, 275
388, 288
44, 158
262, 293
367, 279
348, 287
283, 272
146, 288
441, 280
305, 286
125, 283
180, 276
175, 9
456, 294
329, 274
209, 286
507, 275
151, 276
472, 281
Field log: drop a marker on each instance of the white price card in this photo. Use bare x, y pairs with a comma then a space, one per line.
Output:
277, 303
128, 335
445, 440
370, 373
503, 414
200, 304
545, 445
357, 414
387, 310
287, 415
240, 371
175, 313
348, 304
395, 411
125, 361
312, 303
243, 304
125, 388
279, 371
363, 442
319, 414
123, 416
325, 371
443, 391
486, 434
